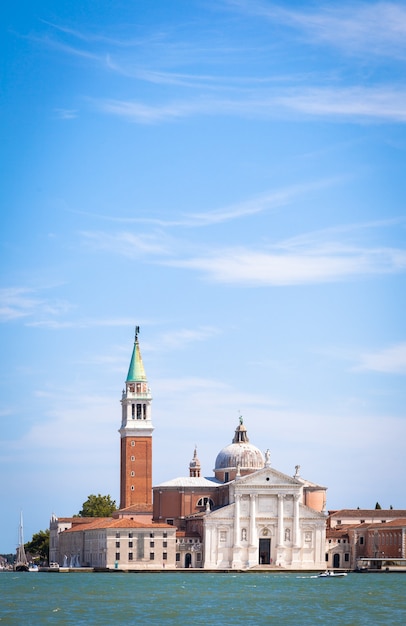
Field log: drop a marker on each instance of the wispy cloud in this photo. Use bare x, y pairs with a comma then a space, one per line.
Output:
374, 103
379, 103
128, 244
56, 324
369, 28
261, 203
390, 360
22, 302
252, 268
66, 114
178, 339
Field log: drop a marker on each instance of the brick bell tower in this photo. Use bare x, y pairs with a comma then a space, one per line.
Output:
136, 437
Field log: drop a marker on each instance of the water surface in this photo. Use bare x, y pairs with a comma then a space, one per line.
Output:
174, 598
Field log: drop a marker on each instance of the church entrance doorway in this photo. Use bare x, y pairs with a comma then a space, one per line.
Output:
336, 560
264, 551
188, 559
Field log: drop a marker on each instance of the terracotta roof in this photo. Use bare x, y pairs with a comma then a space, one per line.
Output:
122, 522
392, 524
336, 534
77, 521
183, 533
380, 513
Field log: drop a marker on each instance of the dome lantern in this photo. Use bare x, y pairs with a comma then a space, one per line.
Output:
240, 457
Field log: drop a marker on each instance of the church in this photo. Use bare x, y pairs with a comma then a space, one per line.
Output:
248, 515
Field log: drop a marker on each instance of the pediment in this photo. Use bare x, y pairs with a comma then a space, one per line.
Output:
268, 476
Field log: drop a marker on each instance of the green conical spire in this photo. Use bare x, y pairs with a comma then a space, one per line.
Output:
136, 372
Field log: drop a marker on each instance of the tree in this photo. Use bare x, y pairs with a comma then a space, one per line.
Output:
38, 547
378, 506
98, 506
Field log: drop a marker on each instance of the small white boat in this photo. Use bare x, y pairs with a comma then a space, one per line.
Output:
328, 574
33, 567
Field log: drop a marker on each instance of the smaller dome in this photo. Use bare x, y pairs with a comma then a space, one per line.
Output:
195, 461
194, 466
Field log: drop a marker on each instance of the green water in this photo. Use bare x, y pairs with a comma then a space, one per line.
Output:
197, 598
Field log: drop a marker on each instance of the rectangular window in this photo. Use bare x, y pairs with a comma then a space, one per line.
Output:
164, 544
165, 535
347, 556
164, 556
130, 556
117, 556
177, 557
170, 522
151, 556
151, 534
152, 544
326, 557
130, 535
198, 556
117, 535
138, 411
130, 544
117, 544
361, 541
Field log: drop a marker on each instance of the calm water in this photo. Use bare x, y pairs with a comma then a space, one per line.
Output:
197, 598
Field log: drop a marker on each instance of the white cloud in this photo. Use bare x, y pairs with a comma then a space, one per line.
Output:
249, 267
127, 244
390, 360
369, 28
374, 103
180, 338
24, 302
379, 103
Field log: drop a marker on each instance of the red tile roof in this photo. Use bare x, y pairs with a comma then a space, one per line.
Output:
122, 522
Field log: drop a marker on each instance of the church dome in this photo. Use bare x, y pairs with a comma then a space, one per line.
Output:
240, 454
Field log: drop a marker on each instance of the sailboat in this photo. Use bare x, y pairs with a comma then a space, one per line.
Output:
21, 564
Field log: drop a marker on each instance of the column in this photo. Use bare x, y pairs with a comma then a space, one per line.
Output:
296, 527
253, 533
237, 521
281, 498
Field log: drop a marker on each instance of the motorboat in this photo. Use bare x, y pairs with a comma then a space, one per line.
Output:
331, 574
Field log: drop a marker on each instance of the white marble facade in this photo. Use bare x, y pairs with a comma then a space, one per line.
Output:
265, 523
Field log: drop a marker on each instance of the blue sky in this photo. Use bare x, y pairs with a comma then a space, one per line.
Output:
230, 176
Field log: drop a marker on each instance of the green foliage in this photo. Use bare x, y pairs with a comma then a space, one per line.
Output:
38, 547
378, 506
98, 506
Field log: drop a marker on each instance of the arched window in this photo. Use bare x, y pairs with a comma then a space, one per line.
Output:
204, 501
